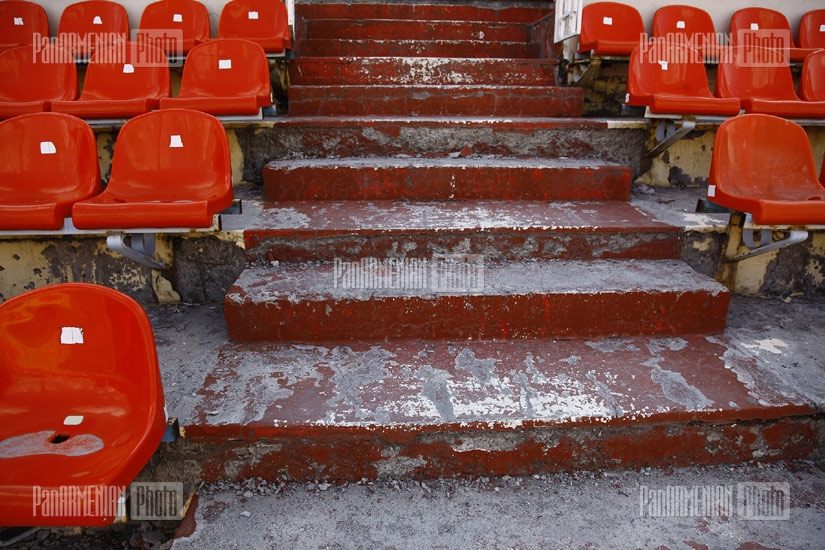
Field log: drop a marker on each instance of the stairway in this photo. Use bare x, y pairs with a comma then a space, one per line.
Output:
566, 332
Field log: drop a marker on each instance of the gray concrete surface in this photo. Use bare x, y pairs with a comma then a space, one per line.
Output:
614, 510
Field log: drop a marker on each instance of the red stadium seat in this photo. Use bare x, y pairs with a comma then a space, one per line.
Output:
87, 26
761, 79
21, 23
764, 165
30, 79
189, 17
687, 25
121, 82
761, 27
670, 78
49, 163
610, 28
170, 169
812, 80
224, 77
812, 30
81, 403
264, 22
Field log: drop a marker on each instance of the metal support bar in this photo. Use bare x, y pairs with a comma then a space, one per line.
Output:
141, 248
584, 77
766, 242
669, 132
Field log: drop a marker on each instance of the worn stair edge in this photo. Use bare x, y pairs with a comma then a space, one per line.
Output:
439, 409
358, 28
416, 100
446, 179
415, 48
421, 70
469, 12
466, 298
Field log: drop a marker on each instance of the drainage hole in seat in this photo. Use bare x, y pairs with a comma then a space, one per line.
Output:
60, 438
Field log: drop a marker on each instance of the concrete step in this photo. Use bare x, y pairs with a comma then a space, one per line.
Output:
467, 298
288, 137
415, 29
498, 230
319, 71
509, 13
422, 100
446, 179
426, 409
325, 47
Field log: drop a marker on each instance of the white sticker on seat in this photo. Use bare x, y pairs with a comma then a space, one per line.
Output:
177, 18
754, 26
711, 190
71, 335
224, 63
252, 15
128, 68
47, 148
607, 20
663, 64
73, 420
97, 20
680, 24
822, 28
18, 21
175, 142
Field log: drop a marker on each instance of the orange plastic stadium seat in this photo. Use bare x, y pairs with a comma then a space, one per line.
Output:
761, 79
188, 17
764, 165
812, 80
224, 77
610, 28
687, 25
765, 28
670, 78
81, 404
812, 30
21, 24
121, 82
264, 22
170, 169
87, 26
49, 162
30, 79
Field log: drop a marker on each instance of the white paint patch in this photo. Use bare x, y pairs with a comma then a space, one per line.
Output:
771, 344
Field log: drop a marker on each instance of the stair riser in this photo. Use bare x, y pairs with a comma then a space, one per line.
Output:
467, 101
387, 29
499, 246
414, 48
340, 182
350, 454
421, 71
469, 12
380, 318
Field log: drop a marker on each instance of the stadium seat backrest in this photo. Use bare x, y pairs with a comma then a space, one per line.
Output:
812, 80
189, 17
226, 68
688, 25
667, 67
127, 71
812, 29
755, 73
610, 28
82, 400
21, 22
31, 74
262, 21
86, 26
49, 162
764, 165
